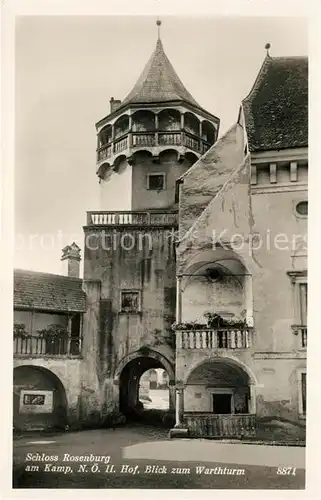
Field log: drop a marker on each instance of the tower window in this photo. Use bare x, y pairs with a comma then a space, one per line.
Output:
156, 182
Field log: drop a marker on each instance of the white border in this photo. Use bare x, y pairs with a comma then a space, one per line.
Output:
162, 7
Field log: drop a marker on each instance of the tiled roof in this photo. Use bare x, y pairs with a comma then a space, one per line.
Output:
50, 292
159, 82
276, 110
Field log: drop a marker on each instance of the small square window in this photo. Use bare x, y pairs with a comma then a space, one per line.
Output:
156, 182
130, 301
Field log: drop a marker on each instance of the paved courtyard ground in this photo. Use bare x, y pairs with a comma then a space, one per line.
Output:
143, 457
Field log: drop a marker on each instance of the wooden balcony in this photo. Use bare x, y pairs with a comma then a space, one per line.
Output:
202, 425
170, 139
35, 346
140, 219
213, 339
150, 139
144, 139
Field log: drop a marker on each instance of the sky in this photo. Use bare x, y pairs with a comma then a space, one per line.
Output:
67, 68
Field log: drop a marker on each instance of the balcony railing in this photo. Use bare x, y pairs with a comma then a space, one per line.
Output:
120, 144
227, 426
144, 139
32, 345
169, 138
104, 152
150, 139
214, 339
131, 219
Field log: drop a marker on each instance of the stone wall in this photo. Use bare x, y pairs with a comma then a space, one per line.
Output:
200, 295
248, 220
143, 198
115, 190
130, 181
149, 268
283, 250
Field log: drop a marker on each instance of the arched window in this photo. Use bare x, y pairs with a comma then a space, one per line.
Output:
192, 124
121, 126
169, 119
208, 132
105, 136
143, 121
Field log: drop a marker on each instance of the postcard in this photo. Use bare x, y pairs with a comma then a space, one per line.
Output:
160, 288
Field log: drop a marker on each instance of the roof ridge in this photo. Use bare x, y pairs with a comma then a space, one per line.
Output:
31, 271
289, 57
261, 74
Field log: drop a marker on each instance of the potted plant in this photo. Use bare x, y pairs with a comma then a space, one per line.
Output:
192, 325
216, 321
19, 330
56, 337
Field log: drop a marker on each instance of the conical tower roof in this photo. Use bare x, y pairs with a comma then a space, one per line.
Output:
159, 82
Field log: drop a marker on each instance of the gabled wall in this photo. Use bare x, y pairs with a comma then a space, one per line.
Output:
208, 175
225, 217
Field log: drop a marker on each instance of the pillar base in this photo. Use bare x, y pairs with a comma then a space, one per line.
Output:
178, 432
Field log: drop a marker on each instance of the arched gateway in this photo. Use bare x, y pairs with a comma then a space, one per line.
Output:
128, 375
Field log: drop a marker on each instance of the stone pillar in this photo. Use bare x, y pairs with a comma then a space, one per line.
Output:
200, 130
252, 400
179, 431
156, 129
179, 407
130, 135
69, 335
182, 129
172, 397
248, 292
178, 299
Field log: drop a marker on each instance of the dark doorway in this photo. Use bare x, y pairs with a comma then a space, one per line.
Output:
131, 388
222, 404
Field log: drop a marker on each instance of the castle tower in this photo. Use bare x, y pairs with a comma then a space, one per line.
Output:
150, 139
145, 144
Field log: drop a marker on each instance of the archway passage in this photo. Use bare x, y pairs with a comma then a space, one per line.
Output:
218, 400
132, 387
39, 399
